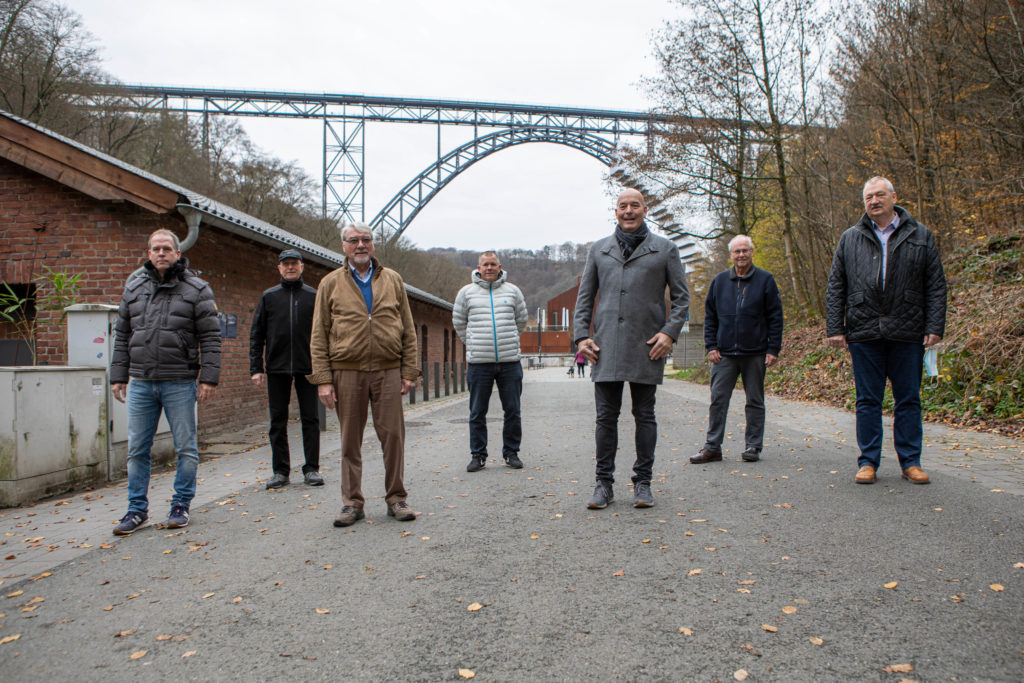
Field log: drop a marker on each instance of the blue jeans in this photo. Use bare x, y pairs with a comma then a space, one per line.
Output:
900, 362
481, 378
177, 399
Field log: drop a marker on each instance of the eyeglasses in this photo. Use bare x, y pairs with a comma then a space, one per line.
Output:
360, 240
742, 251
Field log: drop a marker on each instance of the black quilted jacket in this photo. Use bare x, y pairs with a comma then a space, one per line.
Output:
913, 302
167, 329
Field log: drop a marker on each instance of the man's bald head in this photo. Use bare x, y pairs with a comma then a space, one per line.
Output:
630, 210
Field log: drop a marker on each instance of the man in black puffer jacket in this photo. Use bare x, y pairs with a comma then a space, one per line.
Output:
167, 335
282, 324
886, 301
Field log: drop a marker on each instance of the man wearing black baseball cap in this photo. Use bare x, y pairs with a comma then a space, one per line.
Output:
279, 357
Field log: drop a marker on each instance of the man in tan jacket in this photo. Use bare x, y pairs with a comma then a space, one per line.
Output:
363, 349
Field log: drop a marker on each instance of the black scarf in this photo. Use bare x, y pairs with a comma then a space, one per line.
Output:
629, 241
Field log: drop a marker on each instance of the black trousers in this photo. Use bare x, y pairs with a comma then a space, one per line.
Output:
279, 390
608, 401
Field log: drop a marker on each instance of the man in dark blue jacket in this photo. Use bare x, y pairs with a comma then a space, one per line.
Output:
281, 326
885, 302
743, 336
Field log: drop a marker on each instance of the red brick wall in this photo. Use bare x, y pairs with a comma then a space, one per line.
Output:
551, 342
566, 299
45, 223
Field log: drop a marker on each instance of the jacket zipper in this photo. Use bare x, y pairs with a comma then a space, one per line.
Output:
494, 322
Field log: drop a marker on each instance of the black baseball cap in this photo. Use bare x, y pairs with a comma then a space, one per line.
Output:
289, 253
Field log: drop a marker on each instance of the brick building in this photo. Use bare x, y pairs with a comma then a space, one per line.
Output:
73, 209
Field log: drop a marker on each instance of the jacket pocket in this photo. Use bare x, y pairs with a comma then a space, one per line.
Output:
855, 298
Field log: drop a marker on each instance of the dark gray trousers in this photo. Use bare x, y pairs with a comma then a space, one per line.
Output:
723, 381
608, 401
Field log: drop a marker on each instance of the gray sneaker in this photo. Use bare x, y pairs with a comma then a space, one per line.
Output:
751, 455
401, 512
349, 515
277, 481
642, 496
313, 478
602, 497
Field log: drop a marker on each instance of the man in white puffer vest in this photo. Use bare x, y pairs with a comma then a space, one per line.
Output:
489, 316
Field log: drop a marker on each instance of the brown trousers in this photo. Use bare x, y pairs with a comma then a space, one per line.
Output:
382, 391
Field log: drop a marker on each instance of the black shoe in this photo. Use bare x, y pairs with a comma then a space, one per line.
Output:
705, 455
751, 454
513, 461
312, 478
277, 481
603, 496
642, 496
476, 463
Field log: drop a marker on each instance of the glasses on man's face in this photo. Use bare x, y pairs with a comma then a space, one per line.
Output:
359, 240
742, 251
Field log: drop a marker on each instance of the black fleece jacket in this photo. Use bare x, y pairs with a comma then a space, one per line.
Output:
280, 331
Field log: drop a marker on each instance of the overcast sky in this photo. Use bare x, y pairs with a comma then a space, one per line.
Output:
582, 53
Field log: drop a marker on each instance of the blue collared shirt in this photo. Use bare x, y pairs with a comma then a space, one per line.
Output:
883, 235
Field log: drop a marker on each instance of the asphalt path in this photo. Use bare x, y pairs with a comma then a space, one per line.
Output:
781, 570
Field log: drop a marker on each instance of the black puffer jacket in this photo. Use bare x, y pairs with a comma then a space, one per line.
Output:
167, 329
913, 302
282, 324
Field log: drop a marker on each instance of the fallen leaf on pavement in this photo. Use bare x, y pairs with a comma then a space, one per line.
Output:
237, 600
41, 576
997, 587
770, 628
685, 631
1018, 565
139, 654
122, 634
694, 572
475, 607
740, 675
467, 673
748, 648
15, 594
621, 572
816, 640
892, 584
898, 669
164, 636
188, 654
9, 639
320, 610
208, 595
789, 609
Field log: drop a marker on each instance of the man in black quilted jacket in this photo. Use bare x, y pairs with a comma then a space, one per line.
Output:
279, 335
167, 336
885, 302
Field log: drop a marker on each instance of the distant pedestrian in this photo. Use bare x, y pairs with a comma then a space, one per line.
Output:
571, 371
363, 350
167, 335
581, 363
886, 301
743, 336
630, 269
489, 315
280, 334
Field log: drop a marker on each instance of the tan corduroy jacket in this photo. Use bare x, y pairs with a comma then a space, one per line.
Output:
347, 337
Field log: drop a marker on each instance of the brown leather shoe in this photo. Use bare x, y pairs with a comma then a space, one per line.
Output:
705, 455
915, 475
865, 475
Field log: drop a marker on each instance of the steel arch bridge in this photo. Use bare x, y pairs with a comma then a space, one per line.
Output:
597, 132
398, 213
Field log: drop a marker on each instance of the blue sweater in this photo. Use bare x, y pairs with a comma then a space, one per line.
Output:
743, 315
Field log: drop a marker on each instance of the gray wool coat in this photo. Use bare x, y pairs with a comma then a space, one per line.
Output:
631, 307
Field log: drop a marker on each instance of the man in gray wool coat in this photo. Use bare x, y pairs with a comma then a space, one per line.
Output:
627, 274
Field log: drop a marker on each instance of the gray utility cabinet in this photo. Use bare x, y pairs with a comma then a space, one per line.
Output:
53, 434
91, 343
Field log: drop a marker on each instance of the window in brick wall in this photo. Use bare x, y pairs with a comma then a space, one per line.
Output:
14, 349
